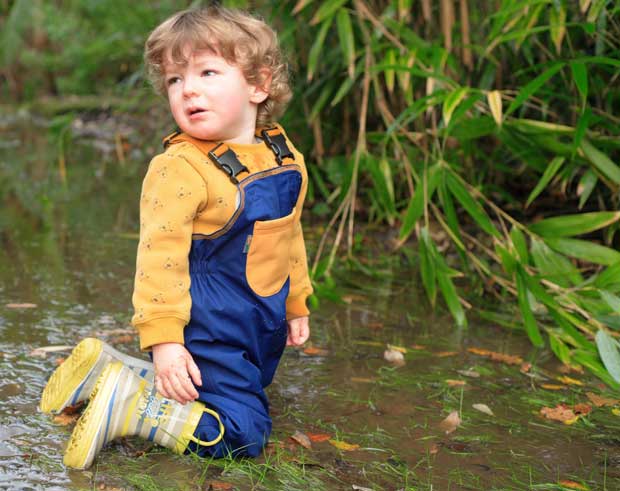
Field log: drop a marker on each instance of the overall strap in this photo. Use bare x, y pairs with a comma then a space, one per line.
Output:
274, 138
224, 158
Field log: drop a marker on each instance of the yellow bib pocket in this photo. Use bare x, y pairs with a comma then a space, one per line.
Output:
267, 266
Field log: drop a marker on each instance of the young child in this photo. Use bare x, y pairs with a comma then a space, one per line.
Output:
222, 278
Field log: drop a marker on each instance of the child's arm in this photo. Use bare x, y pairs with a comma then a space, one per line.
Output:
175, 370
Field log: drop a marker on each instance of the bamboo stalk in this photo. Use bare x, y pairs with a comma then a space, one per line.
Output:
426, 10
466, 55
447, 22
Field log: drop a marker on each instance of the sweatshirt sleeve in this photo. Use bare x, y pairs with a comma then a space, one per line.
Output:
300, 287
172, 194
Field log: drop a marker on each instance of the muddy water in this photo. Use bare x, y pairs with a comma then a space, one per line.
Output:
68, 252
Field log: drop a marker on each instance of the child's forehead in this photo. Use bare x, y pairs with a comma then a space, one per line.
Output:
180, 56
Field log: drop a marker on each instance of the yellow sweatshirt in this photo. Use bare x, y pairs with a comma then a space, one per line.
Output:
184, 195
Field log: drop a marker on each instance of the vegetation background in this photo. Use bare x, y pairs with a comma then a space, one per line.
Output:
481, 137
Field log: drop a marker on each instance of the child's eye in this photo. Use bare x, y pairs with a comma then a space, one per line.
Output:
172, 80
208, 73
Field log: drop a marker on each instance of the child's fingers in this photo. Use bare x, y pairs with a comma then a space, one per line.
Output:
183, 387
194, 372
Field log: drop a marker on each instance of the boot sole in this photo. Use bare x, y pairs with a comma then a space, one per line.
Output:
65, 382
90, 429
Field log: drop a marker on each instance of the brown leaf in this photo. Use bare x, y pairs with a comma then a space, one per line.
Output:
569, 381
561, 413
582, 409
553, 386
572, 485
395, 357
219, 486
526, 366
600, 401
348, 447
318, 437
444, 354
469, 373
451, 423
59, 361
500, 357
455, 383
483, 408
314, 351
417, 347
565, 369
302, 439
63, 419
434, 449
21, 305
364, 380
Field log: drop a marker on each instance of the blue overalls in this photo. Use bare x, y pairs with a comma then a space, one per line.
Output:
236, 336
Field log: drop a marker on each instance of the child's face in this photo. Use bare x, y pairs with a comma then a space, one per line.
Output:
211, 99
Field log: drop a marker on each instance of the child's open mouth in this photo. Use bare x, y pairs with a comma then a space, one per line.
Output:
195, 110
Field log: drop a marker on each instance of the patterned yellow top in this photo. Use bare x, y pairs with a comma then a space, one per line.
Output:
184, 194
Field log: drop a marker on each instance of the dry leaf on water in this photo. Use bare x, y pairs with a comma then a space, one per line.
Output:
444, 354
456, 383
570, 381
469, 373
553, 386
566, 414
572, 485
395, 357
302, 439
364, 380
348, 447
600, 401
314, 351
318, 437
501, 357
219, 486
483, 408
360, 488
451, 423
44, 350
63, 419
21, 305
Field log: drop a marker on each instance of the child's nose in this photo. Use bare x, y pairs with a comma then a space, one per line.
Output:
190, 87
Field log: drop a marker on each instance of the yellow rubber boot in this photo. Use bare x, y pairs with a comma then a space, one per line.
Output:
73, 381
124, 404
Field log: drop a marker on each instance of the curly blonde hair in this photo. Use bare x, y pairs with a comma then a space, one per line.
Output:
238, 37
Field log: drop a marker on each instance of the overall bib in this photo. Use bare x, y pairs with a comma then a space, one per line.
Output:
238, 329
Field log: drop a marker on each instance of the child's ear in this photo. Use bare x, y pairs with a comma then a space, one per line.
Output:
260, 91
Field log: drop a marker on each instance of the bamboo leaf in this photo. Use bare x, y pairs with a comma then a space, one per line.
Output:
494, 98
612, 300
320, 102
550, 172
553, 266
592, 362
584, 250
571, 225
596, 9
601, 161
559, 348
427, 267
557, 22
520, 245
347, 40
584, 5
582, 126
608, 277
389, 73
533, 86
300, 5
419, 202
608, 350
473, 208
317, 47
531, 328
452, 101
580, 77
448, 291
327, 9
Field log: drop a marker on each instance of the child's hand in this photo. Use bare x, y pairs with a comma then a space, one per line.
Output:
173, 367
298, 331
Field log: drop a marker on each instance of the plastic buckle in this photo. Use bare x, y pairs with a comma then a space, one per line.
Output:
278, 145
228, 162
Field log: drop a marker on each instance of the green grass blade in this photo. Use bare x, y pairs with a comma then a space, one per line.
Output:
520, 244
580, 77
347, 40
571, 225
419, 201
531, 328
551, 170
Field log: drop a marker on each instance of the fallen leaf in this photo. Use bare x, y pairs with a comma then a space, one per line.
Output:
525, 367
483, 408
434, 449
44, 350
570, 368
76, 408
417, 347
600, 401
451, 422
444, 354
469, 373
394, 357
397, 348
220, 486
364, 380
572, 485
314, 351
59, 361
559, 413
455, 383
63, 419
582, 409
569, 381
21, 305
360, 488
318, 437
339, 444
553, 386
302, 439
500, 357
